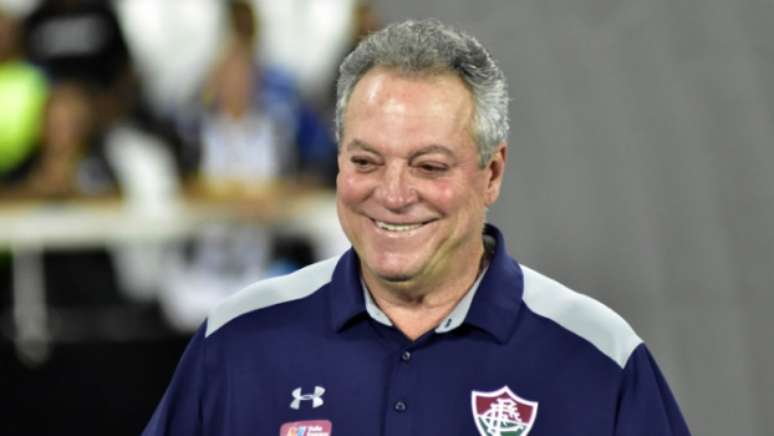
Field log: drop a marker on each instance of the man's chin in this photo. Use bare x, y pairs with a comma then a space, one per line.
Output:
396, 278
390, 267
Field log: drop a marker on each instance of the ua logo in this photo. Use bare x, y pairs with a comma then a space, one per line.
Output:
315, 397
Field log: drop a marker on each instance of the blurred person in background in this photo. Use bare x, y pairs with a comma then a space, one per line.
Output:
65, 166
308, 39
68, 159
257, 126
80, 44
246, 129
249, 131
82, 41
80, 49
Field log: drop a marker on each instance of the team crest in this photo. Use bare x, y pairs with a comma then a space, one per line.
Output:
502, 413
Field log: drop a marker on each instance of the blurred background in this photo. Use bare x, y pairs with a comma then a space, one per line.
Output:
156, 156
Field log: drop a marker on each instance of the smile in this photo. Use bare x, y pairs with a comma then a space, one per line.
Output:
399, 228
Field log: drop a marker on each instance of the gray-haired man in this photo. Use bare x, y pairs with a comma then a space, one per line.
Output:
426, 326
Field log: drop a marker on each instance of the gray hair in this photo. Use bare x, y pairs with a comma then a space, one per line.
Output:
431, 47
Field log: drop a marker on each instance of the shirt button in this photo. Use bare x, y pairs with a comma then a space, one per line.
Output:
400, 406
406, 356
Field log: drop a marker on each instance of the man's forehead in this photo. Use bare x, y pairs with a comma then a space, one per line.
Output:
391, 112
385, 93
377, 80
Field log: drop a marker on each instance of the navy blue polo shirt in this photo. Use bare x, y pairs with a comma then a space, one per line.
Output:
309, 354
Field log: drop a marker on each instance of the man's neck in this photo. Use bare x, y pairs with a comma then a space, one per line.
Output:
417, 309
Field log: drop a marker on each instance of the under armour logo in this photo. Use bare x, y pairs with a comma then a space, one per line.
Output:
315, 397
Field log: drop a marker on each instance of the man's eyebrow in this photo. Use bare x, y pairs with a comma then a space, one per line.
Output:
430, 149
357, 144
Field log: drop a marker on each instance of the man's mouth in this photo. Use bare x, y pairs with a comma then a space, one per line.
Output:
398, 227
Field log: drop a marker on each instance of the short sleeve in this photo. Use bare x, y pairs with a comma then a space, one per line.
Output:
180, 409
646, 404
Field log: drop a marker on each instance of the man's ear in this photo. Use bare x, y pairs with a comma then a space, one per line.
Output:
495, 170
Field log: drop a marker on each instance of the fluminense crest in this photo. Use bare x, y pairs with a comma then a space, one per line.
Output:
502, 413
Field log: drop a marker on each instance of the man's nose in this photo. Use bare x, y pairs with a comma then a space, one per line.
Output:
396, 190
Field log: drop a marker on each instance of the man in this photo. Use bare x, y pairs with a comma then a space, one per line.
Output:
426, 326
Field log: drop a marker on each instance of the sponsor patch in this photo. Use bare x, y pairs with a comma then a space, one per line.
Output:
320, 427
502, 413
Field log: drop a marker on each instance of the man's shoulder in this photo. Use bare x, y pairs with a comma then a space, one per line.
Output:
270, 292
581, 315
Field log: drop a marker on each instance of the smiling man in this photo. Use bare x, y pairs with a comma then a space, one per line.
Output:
427, 325
412, 194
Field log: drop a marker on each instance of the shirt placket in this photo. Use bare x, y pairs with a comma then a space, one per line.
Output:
401, 406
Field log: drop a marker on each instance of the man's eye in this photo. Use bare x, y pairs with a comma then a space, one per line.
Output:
361, 162
433, 168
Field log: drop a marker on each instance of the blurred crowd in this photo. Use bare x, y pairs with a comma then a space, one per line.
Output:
117, 98
236, 92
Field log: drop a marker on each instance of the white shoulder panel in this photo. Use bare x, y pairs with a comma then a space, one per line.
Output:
580, 314
265, 293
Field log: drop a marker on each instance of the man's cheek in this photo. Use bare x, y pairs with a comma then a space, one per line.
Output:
352, 187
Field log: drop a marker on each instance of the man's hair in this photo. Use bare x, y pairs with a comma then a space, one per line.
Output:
429, 47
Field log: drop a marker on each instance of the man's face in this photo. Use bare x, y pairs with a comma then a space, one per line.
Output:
411, 195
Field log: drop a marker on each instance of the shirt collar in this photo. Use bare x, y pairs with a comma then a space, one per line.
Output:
497, 301
345, 294
451, 322
491, 304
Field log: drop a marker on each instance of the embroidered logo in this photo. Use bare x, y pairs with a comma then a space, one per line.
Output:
502, 413
315, 398
320, 427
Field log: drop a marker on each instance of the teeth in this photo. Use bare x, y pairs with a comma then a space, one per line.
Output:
397, 227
